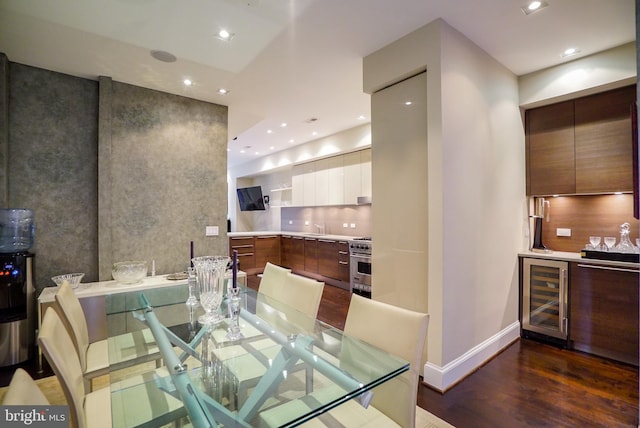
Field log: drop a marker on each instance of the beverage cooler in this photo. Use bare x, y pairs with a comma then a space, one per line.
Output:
544, 310
17, 292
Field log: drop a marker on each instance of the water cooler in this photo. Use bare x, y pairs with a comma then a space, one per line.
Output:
17, 291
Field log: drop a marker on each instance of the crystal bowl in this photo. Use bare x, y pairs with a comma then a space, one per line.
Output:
73, 279
129, 272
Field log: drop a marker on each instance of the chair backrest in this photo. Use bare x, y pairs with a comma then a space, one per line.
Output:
56, 344
302, 293
23, 390
72, 316
293, 291
273, 279
398, 331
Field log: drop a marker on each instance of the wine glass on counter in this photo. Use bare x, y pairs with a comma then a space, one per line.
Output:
595, 242
609, 241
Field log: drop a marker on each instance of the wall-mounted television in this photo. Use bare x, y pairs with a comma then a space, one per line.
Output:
250, 199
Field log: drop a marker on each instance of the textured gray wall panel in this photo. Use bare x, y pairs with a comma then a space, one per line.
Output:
162, 175
53, 167
167, 179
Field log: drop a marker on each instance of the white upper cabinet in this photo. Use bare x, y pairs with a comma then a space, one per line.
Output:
321, 182
352, 178
309, 184
365, 173
297, 185
337, 180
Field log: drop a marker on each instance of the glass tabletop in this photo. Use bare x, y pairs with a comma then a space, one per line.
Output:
281, 357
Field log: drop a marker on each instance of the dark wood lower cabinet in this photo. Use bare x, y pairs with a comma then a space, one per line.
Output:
603, 311
267, 250
326, 260
311, 255
293, 252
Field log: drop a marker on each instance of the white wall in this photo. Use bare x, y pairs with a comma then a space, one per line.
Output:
476, 213
484, 195
595, 73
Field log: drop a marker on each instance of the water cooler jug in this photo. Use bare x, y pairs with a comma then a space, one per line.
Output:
17, 291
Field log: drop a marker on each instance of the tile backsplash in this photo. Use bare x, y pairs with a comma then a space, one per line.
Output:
334, 218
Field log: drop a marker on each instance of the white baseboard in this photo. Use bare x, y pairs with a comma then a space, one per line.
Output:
442, 378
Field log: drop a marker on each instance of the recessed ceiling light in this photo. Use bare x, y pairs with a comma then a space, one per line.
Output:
533, 6
224, 35
187, 82
163, 56
283, 125
269, 131
272, 148
242, 151
291, 141
314, 133
257, 153
361, 117
570, 52
408, 103
223, 91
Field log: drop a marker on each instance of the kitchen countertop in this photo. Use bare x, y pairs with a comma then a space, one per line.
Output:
301, 234
575, 257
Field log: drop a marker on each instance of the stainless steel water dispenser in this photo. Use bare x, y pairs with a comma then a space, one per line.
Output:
17, 291
17, 308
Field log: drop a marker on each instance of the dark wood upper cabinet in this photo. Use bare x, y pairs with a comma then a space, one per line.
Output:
550, 150
582, 146
604, 150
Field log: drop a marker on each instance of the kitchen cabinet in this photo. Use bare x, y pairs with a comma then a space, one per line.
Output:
333, 259
550, 150
604, 311
337, 180
582, 146
245, 245
311, 255
604, 141
297, 185
267, 249
293, 252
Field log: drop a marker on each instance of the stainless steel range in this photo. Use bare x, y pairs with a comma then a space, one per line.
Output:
360, 265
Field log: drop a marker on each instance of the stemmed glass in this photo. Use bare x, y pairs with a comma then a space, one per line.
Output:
192, 284
595, 242
609, 241
210, 272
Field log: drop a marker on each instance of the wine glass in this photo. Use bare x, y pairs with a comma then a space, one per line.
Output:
609, 241
595, 241
210, 272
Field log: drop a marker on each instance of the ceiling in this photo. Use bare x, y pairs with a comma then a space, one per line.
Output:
289, 61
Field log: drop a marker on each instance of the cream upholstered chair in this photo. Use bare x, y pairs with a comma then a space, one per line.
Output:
294, 291
95, 409
23, 390
272, 280
92, 409
397, 331
94, 357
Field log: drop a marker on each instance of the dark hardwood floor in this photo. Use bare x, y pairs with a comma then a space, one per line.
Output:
529, 384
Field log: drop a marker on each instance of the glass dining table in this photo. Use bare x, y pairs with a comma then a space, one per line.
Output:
282, 369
